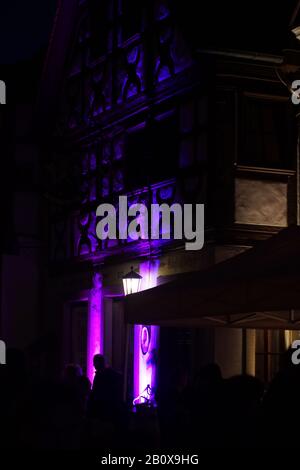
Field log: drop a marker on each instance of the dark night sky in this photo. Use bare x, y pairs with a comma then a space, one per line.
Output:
25, 26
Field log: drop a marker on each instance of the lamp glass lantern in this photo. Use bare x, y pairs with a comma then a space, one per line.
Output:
132, 282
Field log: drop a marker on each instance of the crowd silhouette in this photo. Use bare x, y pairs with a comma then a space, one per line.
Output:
206, 412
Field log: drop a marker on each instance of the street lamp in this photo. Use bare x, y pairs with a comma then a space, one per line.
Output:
132, 282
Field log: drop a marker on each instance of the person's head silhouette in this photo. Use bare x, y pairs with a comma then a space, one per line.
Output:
99, 362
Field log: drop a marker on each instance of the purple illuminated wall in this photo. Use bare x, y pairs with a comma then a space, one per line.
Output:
145, 359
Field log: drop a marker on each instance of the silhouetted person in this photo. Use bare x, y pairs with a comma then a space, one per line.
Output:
204, 405
241, 400
13, 383
106, 395
72, 374
84, 387
172, 403
280, 413
77, 384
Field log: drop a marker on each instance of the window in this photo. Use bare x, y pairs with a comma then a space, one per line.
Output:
270, 345
151, 152
194, 132
101, 26
131, 18
268, 137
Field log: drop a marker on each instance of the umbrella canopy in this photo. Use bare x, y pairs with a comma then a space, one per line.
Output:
258, 288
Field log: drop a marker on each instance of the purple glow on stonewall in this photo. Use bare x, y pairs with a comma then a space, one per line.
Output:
95, 325
145, 368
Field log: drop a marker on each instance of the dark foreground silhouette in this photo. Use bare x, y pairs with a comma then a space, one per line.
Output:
206, 412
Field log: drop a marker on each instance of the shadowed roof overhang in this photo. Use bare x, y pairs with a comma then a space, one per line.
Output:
258, 288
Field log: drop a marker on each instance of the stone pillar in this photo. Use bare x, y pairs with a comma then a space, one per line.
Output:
250, 351
146, 341
228, 350
95, 323
289, 75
